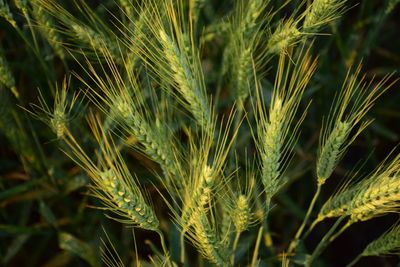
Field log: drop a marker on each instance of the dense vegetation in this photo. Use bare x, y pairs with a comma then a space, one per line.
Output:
199, 133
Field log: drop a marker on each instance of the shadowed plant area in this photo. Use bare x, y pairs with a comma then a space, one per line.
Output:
199, 133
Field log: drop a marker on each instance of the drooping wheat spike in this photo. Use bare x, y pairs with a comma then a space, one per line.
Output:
276, 135
286, 34
122, 100
375, 195
113, 183
47, 28
354, 100
6, 13
322, 12
6, 77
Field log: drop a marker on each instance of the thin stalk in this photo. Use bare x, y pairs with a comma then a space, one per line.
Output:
267, 237
257, 247
340, 231
323, 243
182, 241
164, 247
235, 243
294, 243
353, 262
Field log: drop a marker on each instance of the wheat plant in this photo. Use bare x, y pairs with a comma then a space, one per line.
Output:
194, 127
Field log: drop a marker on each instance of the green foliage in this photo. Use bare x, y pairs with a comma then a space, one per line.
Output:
189, 133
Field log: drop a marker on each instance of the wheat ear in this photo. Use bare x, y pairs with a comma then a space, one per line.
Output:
123, 100
285, 35
321, 12
48, 29
275, 133
6, 13
189, 86
373, 196
113, 183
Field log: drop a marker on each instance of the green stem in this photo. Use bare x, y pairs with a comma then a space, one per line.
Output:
295, 241
182, 239
323, 243
257, 247
353, 262
235, 243
164, 247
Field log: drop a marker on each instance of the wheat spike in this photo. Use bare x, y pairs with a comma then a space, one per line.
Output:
354, 100
286, 35
322, 12
6, 13
387, 243
275, 143
376, 195
331, 151
189, 86
48, 29
113, 183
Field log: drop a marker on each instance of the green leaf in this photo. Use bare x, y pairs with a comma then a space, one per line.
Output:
82, 249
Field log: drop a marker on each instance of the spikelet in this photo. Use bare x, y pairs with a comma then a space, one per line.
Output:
275, 141
285, 35
6, 77
113, 183
322, 12
354, 100
6, 13
48, 29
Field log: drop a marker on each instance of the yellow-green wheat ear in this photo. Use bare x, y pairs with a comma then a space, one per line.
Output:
48, 28
321, 12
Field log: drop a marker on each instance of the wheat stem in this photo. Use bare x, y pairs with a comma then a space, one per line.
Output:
295, 241
323, 243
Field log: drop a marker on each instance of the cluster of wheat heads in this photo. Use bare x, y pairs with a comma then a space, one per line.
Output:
146, 82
